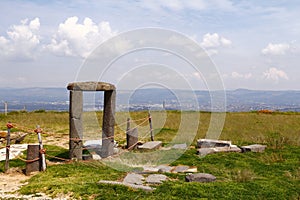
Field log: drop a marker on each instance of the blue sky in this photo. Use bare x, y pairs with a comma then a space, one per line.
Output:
253, 44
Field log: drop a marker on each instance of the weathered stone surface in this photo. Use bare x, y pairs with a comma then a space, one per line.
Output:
143, 187
150, 145
91, 86
75, 122
179, 146
135, 179
165, 169
208, 143
75, 143
200, 177
156, 178
76, 104
254, 148
180, 169
108, 123
206, 151
132, 138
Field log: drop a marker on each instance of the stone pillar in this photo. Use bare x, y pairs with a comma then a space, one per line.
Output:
108, 123
76, 127
132, 138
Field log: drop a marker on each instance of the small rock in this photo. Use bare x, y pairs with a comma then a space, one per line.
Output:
135, 179
165, 169
208, 143
156, 178
150, 145
254, 148
180, 169
200, 177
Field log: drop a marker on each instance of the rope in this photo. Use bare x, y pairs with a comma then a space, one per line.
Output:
28, 161
58, 158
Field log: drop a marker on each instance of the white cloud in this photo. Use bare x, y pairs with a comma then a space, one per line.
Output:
22, 40
237, 75
275, 74
213, 41
75, 39
276, 49
178, 5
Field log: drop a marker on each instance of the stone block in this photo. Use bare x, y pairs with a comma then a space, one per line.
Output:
135, 179
208, 143
156, 178
200, 177
150, 145
254, 148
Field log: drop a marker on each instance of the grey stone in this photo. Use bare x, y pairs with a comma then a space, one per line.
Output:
150, 145
254, 148
135, 179
200, 177
132, 138
208, 143
143, 187
91, 86
165, 169
179, 146
156, 178
206, 151
180, 169
108, 123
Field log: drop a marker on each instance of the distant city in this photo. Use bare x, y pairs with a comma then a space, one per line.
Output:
240, 100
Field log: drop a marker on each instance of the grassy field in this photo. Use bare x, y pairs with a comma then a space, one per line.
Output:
274, 174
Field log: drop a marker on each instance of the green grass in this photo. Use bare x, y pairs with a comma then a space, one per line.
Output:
274, 174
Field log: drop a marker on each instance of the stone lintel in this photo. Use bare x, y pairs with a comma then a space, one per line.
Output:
91, 86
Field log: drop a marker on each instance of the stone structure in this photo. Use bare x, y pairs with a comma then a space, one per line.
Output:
76, 110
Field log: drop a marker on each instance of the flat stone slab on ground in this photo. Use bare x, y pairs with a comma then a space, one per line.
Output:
150, 145
143, 187
208, 143
200, 177
156, 178
206, 151
135, 179
254, 148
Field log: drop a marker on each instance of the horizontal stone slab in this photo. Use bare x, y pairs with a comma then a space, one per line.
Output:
200, 177
91, 86
150, 145
254, 148
208, 143
206, 151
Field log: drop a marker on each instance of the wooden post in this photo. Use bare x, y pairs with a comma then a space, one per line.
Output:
150, 124
9, 126
33, 159
42, 151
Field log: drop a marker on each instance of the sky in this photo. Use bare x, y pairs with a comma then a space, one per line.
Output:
252, 44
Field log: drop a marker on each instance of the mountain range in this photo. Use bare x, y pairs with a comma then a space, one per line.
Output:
152, 98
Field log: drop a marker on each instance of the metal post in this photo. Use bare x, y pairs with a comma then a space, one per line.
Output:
9, 126
38, 130
150, 124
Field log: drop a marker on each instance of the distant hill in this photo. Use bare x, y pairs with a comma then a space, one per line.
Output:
236, 100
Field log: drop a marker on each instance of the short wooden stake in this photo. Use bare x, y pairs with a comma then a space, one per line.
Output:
150, 124
33, 159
